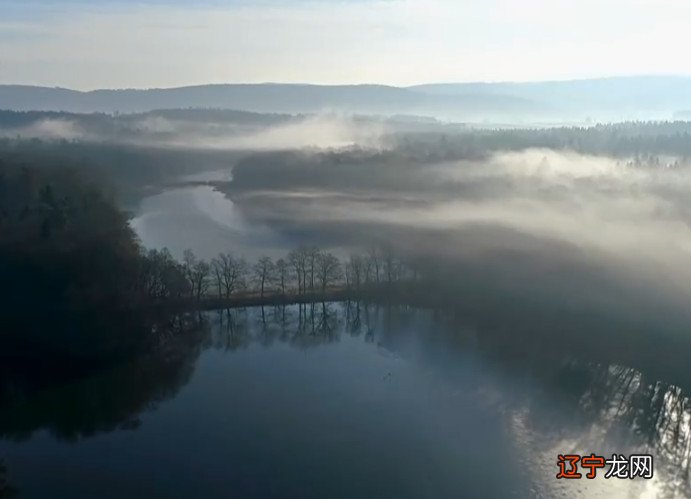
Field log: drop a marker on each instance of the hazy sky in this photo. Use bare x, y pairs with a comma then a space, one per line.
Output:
161, 43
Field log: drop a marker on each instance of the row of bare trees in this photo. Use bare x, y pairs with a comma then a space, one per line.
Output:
379, 264
304, 270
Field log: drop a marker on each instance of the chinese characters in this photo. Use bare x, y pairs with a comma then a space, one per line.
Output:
619, 466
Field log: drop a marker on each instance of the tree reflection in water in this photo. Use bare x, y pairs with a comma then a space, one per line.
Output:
583, 395
572, 389
78, 405
654, 413
657, 411
302, 326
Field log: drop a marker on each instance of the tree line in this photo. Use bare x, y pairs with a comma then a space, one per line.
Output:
305, 270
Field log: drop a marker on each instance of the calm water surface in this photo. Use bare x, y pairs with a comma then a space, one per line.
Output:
202, 219
339, 400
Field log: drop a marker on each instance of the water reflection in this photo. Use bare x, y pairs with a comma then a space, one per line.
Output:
301, 326
551, 398
80, 405
592, 406
204, 220
574, 400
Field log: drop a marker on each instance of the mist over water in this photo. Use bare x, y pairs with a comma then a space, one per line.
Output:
591, 248
276, 132
630, 219
591, 230
203, 220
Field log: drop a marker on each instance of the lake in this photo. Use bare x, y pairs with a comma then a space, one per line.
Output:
340, 401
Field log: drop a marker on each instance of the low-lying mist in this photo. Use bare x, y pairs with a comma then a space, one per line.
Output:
588, 222
536, 231
178, 130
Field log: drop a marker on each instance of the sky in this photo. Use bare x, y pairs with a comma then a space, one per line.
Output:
167, 43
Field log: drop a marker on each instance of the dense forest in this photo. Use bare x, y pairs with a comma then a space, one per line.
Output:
617, 139
125, 172
58, 232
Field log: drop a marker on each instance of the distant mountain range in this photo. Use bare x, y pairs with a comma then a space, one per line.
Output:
611, 99
639, 97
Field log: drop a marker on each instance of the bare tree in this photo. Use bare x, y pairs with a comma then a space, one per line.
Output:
263, 273
298, 261
197, 274
390, 265
282, 275
358, 268
347, 274
374, 260
201, 273
188, 260
162, 276
229, 273
328, 269
312, 254
368, 270
217, 276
